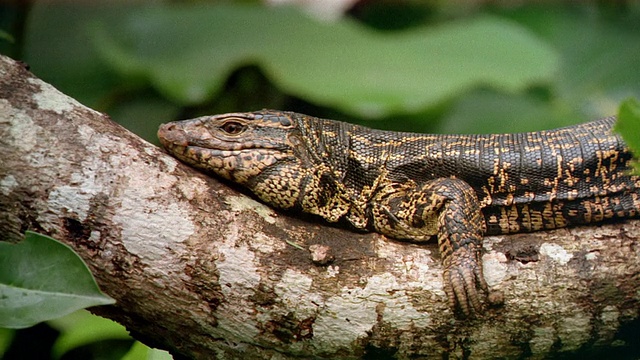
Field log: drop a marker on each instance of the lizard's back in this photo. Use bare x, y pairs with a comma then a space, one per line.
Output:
524, 181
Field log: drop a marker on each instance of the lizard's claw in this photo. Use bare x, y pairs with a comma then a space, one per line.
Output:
463, 278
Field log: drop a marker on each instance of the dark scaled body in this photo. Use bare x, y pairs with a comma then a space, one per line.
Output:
417, 186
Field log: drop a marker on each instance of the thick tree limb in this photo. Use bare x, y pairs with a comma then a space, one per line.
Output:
206, 272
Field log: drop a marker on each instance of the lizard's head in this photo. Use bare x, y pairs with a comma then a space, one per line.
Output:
269, 152
236, 146
261, 150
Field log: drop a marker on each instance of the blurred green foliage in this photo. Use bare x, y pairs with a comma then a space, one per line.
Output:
428, 66
444, 68
342, 64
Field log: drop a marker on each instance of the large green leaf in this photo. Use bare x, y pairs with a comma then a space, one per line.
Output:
188, 51
42, 279
599, 54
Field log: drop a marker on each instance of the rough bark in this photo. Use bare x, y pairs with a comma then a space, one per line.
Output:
206, 272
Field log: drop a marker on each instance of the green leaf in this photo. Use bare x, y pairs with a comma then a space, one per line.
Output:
188, 51
140, 351
6, 336
42, 279
82, 328
628, 125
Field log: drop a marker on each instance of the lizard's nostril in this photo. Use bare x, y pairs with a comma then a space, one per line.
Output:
168, 127
170, 133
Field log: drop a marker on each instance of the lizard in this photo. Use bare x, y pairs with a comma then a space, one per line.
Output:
456, 188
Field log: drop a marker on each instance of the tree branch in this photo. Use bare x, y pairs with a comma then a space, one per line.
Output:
206, 272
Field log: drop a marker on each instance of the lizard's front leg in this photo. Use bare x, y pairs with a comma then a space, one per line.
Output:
448, 208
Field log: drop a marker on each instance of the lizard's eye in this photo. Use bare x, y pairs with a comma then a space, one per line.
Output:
233, 127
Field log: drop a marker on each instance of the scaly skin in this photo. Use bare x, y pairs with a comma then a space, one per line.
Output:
417, 186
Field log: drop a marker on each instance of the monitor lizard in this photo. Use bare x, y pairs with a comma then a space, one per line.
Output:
411, 186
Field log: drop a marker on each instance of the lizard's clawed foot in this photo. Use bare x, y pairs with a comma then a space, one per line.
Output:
465, 285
